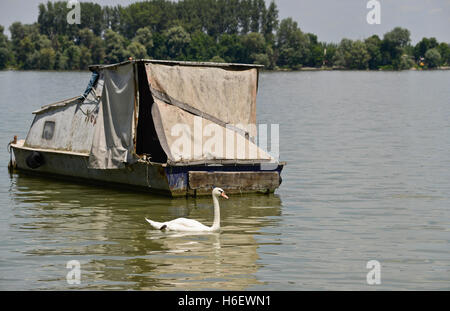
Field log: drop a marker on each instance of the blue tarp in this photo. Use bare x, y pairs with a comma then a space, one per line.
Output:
91, 84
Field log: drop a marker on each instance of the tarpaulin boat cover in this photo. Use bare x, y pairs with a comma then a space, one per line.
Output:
219, 102
200, 114
112, 144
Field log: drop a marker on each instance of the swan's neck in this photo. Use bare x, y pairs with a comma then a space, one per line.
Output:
216, 223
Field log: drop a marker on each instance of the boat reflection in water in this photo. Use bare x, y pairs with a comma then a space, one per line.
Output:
105, 230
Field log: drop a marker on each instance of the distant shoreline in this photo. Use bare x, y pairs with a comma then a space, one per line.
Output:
240, 31
442, 68
346, 69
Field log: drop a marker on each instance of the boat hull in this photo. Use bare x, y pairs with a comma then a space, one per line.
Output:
186, 180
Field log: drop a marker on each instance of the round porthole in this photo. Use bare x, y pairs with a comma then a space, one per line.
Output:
35, 160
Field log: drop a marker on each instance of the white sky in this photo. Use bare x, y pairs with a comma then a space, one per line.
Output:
331, 20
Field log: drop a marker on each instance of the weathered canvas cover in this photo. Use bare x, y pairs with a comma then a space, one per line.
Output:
73, 123
186, 137
217, 102
217, 93
112, 144
200, 113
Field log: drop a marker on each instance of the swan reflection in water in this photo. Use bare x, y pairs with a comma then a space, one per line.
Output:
106, 231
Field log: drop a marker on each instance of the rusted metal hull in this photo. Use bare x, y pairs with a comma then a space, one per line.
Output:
189, 180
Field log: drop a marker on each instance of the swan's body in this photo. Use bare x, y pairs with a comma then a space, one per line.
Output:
184, 224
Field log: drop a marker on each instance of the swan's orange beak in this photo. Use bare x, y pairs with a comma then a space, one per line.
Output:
224, 195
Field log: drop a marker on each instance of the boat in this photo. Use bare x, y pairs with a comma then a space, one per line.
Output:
172, 127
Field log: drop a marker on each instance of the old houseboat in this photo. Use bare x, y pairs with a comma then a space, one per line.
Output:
177, 128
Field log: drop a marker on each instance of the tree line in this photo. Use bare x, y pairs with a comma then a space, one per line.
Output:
238, 31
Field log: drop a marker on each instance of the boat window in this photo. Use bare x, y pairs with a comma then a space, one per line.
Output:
49, 129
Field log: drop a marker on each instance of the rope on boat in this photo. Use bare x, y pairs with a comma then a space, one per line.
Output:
11, 164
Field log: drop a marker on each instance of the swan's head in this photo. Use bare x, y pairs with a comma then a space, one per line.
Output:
219, 192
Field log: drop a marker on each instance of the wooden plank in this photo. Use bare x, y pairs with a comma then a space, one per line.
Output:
241, 181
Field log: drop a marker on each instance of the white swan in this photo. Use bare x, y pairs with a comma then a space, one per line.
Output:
184, 224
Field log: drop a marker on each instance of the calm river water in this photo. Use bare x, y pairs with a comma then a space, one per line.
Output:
368, 178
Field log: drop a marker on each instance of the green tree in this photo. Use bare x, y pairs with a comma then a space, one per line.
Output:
292, 44
393, 45
444, 50
329, 53
62, 42
177, 42
255, 15
190, 15
156, 14
18, 32
373, 46
47, 59
42, 42
61, 61
360, 55
73, 54
398, 37
253, 44
5, 54
85, 58
91, 17
111, 18
115, 47
423, 46
85, 37
97, 50
352, 55
226, 16
315, 55
91, 48
406, 62
272, 55
261, 59
4, 57
32, 61
137, 50
232, 30
217, 59
270, 22
3, 38
433, 58
52, 19
230, 49
23, 39
159, 50
342, 57
145, 38
24, 50
201, 47
244, 15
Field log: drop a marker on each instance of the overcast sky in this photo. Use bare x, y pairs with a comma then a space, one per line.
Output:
331, 20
